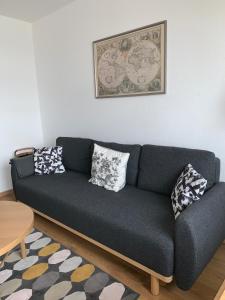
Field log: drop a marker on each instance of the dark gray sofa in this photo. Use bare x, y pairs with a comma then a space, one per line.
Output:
138, 221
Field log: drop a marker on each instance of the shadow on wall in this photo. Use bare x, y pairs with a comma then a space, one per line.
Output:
7, 175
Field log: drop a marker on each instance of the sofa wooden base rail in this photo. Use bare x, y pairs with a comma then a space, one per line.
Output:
155, 277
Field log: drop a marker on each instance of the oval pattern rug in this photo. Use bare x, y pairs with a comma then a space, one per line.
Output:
52, 272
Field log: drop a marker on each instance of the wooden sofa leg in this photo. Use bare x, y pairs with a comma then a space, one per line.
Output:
154, 286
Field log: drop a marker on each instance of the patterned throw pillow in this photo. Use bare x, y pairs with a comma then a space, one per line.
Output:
188, 189
109, 168
48, 160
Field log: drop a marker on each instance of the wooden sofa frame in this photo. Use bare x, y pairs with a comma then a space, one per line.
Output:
155, 277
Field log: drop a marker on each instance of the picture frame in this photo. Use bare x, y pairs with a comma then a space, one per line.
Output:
131, 63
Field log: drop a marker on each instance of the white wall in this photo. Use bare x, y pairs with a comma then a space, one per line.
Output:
20, 123
191, 114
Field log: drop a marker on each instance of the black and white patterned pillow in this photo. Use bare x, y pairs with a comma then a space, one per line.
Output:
48, 160
109, 168
188, 189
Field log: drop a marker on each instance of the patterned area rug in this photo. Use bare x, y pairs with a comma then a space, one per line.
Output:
52, 272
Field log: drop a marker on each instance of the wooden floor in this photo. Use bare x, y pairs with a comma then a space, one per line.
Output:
205, 288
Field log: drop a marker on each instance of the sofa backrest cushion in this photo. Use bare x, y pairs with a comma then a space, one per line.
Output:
133, 162
160, 167
76, 153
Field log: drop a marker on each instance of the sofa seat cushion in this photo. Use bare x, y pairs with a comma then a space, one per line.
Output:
134, 222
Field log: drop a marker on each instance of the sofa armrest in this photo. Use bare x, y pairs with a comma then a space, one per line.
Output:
199, 230
22, 167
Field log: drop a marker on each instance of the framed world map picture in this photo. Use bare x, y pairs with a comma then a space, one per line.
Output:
131, 63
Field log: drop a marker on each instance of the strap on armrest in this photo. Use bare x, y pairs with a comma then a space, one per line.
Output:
199, 230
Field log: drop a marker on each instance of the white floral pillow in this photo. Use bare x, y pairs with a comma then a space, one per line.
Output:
109, 168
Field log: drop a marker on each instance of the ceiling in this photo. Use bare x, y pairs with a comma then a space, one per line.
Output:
30, 10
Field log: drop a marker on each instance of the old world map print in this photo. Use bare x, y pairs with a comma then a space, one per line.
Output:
132, 63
